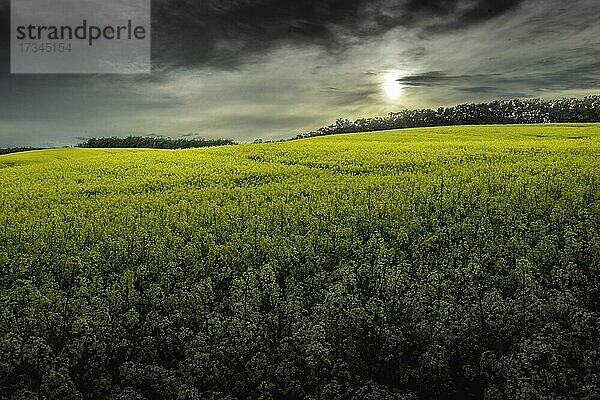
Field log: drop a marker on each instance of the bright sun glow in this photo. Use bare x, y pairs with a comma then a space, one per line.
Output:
392, 88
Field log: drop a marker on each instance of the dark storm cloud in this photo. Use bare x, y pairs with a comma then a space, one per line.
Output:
552, 74
223, 31
194, 32
457, 14
481, 11
434, 78
426, 79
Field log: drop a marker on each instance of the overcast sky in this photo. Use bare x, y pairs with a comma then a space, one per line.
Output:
249, 69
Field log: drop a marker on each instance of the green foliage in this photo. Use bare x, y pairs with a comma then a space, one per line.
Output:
9, 150
533, 111
450, 262
148, 142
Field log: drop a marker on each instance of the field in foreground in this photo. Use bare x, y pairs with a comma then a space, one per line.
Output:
457, 262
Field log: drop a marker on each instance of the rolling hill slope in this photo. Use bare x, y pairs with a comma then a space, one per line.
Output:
449, 262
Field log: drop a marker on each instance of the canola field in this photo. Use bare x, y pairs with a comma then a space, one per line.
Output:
449, 263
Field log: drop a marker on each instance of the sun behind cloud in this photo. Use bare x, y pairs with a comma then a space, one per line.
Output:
391, 87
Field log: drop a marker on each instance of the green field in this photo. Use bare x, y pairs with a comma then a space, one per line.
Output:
448, 262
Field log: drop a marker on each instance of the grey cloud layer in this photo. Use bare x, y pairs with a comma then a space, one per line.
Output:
223, 31
270, 69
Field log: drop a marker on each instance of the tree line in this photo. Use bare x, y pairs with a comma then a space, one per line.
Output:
152, 142
9, 150
531, 111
